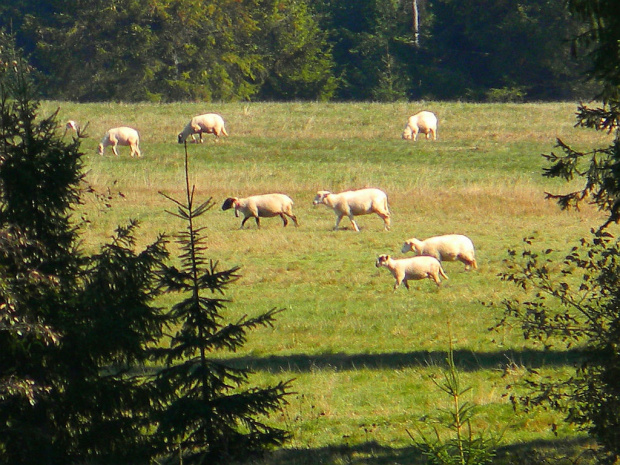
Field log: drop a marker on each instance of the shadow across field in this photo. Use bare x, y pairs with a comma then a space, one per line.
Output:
465, 360
552, 452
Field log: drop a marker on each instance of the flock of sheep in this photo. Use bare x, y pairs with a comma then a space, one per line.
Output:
426, 264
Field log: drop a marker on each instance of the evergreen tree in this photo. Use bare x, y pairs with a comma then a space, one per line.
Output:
206, 415
71, 325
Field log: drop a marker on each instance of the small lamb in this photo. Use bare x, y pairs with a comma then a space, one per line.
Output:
354, 203
121, 136
414, 268
447, 248
209, 123
262, 206
424, 122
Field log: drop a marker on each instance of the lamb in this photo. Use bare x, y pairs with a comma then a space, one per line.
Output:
424, 122
415, 268
209, 123
121, 136
447, 248
262, 206
357, 202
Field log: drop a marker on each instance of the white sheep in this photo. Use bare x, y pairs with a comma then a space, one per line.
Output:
262, 206
209, 123
414, 268
72, 126
121, 136
424, 122
447, 248
355, 203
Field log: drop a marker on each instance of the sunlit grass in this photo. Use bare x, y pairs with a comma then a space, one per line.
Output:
361, 355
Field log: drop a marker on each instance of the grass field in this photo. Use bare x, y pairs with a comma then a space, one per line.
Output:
362, 356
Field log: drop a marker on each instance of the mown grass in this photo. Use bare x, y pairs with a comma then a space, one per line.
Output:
361, 355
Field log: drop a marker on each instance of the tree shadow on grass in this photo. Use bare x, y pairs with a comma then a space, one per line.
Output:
540, 452
464, 359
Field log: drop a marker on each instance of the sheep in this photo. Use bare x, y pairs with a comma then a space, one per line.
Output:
447, 248
121, 136
404, 269
209, 123
72, 126
262, 206
424, 122
357, 202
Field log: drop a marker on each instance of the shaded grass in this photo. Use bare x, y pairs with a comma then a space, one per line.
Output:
362, 355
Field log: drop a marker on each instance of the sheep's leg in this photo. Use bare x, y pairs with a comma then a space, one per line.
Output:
243, 222
294, 218
434, 277
406, 283
284, 220
114, 150
354, 223
257, 221
469, 262
386, 221
338, 219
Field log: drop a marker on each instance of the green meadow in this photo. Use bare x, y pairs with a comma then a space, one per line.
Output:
362, 357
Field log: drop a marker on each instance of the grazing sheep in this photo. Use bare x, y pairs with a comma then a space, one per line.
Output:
354, 203
448, 248
72, 126
404, 269
262, 206
209, 123
424, 122
121, 136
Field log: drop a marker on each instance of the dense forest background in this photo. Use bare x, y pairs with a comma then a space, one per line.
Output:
231, 50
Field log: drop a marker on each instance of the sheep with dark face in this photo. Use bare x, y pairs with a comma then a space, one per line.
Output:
354, 203
414, 268
262, 206
209, 123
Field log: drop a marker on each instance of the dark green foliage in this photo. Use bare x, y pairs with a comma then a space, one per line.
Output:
578, 305
71, 325
206, 416
179, 50
301, 49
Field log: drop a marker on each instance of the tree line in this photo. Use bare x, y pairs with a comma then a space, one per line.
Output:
233, 50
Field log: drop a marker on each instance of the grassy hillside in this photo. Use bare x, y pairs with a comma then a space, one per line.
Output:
361, 355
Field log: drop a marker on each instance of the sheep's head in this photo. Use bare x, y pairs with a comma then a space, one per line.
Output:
180, 138
407, 133
320, 197
415, 245
100, 149
229, 203
382, 260
407, 246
